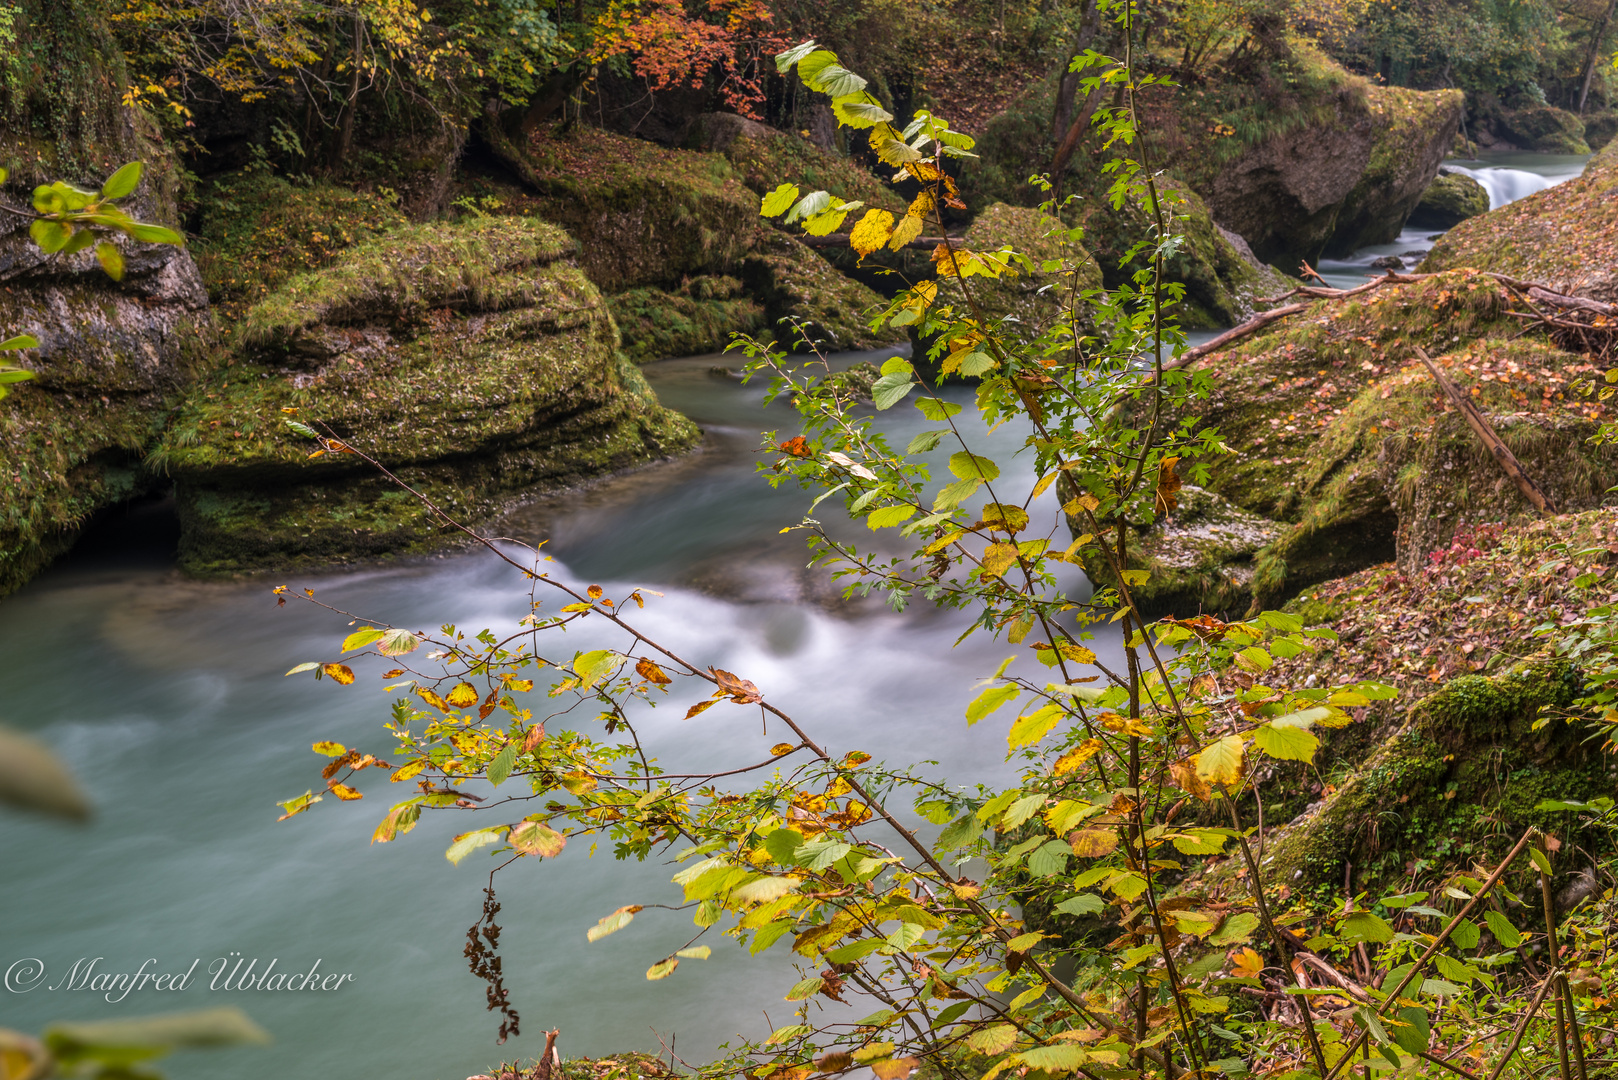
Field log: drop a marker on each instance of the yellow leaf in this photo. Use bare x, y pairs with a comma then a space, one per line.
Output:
1245, 963
405, 772
536, 838
663, 968
908, 229
1075, 757
1027, 730
338, 673
1076, 653
997, 559
1221, 762
463, 696
871, 232
343, 791
1093, 843
1185, 775
781, 748
894, 1068
330, 749
1082, 502
700, 707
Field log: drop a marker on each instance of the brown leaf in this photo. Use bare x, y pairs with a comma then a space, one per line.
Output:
594, 592
701, 706
834, 1062
651, 672
1186, 778
740, 690
1168, 486
533, 737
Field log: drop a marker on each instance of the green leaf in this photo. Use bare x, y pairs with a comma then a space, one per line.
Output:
111, 259
467, 843
148, 1036
954, 494
51, 236
889, 516
993, 1040
303, 429
860, 111
501, 766
1082, 904
805, 989
81, 240
962, 831
1540, 860
783, 845
835, 80
361, 638
536, 838
14, 375
613, 923
976, 363
1364, 926
937, 409
1220, 762
969, 466
397, 642
1027, 730
858, 950
1050, 859
1235, 929
122, 182
1500, 926
779, 201
50, 199
811, 204
785, 60
990, 700
662, 969
1414, 1032
1466, 934
695, 952
1287, 741
155, 234
1055, 1059
924, 441
889, 390
819, 854
810, 66
21, 341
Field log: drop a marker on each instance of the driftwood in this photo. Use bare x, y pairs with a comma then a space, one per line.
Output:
1484, 430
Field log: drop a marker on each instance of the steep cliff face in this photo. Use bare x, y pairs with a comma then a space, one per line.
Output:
1414, 130
113, 356
476, 361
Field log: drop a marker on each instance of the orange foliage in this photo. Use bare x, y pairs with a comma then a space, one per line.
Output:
670, 46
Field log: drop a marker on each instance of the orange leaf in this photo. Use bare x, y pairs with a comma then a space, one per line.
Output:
1245, 963
338, 673
796, 446
651, 672
740, 690
701, 706
343, 791
1168, 486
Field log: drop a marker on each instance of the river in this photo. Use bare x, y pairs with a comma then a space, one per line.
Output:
1506, 177
167, 696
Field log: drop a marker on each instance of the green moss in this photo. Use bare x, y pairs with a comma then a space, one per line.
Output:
256, 229
471, 359
1544, 128
1458, 783
1413, 131
1449, 200
699, 317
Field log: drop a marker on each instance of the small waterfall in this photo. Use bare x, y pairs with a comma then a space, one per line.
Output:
1506, 185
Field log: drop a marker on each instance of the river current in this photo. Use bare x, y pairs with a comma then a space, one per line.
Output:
167, 696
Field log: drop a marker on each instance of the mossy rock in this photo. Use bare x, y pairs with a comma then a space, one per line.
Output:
1599, 128
257, 229
1457, 785
1199, 556
1029, 297
1343, 437
1412, 131
1565, 237
1544, 128
698, 317
476, 361
764, 158
1449, 200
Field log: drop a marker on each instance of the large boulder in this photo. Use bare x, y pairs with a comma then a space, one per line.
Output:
1449, 200
1544, 128
1342, 437
647, 217
113, 356
476, 361
1565, 236
1348, 178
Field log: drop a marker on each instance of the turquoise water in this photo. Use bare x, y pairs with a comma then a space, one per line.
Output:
167, 696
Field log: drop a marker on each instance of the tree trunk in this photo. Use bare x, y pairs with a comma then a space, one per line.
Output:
552, 95
1597, 32
345, 127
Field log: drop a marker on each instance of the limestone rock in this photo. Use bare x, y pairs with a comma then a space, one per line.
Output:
476, 361
1449, 200
1413, 131
1544, 128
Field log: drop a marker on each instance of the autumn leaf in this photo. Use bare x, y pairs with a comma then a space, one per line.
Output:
1075, 757
343, 791
998, 558
872, 232
908, 228
1185, 776
646, 669
894, 1068
701, 707
1093, 843
613, 923
536, 838
797, 446
1168, 486
781, 748
462, 696
338, 673
330, 749
532, 738
1221, 762
740, 690
663, 968
1245, 963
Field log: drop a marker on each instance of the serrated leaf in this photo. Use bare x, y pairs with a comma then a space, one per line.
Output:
779, 201
501, 765
1287, 742
361, 638
1221, 762
1083, 904
990, 700
537, 838
1027, 730
969, 466
1500, 926
889, 516
1364, 926
993, 1040
937, 409
889, 390
1235, 929
467, 843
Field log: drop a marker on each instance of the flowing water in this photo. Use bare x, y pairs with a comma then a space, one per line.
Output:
1506, 177
167, 696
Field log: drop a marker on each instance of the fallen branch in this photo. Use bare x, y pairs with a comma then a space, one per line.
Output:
1485, 431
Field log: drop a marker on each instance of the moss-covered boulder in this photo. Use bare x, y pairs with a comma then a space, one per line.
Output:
1449, 200
1029, 297
698, 317
647, 217
476, 361
1599, 128
1565, 237
1412, 132
1341, 435
1544, 128
1438, 789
